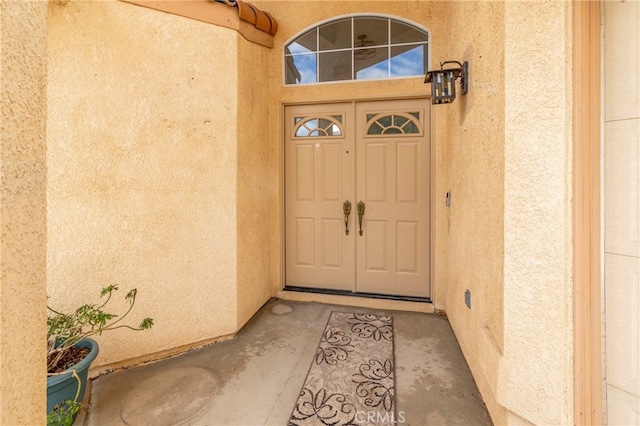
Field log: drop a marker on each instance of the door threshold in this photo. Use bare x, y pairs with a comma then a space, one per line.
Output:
354, 294
348, 298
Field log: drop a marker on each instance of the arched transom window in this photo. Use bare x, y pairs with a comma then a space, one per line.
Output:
356, 48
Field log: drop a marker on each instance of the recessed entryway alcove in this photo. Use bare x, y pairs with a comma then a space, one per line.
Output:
165, 170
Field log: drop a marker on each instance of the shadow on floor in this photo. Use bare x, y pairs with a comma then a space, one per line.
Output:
255, 378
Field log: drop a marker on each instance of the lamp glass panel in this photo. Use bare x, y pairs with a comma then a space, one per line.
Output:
443, 87
449, 84
440, 84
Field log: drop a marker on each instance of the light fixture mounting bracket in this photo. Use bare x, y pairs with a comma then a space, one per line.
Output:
462, 72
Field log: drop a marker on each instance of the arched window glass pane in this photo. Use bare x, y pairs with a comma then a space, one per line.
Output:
399, 120
334, 66
301, 69
385, 121
324, 123
394, 124
368, 68
402, 33
356, 48
374, 30
375, 129
318, 126
410, 128
306, 43
335, 35
408, 60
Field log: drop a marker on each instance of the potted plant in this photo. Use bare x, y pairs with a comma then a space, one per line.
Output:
70, 351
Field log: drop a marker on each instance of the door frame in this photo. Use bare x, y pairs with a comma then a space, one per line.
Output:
587, 215
432, 183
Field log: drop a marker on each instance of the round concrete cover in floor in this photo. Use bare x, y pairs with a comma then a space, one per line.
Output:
172, 397
281, 309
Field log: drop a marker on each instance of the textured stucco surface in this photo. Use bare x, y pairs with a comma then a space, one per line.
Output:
474, 174
143, 170
22, 212
254, 192
535, 375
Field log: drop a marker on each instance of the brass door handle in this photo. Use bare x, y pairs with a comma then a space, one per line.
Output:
360, 214
346, 209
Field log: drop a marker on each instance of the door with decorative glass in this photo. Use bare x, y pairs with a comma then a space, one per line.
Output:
357, 197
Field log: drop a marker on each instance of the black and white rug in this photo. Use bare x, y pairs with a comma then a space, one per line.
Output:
351, 378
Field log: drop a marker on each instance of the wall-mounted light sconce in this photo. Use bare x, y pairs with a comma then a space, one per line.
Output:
443, 87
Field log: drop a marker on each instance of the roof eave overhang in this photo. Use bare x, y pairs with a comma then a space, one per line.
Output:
260, 31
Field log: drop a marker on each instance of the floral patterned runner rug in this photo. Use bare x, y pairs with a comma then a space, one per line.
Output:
351, 378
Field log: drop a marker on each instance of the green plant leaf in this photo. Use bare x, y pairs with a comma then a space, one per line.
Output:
62, 415
132, 294
108, 289
146, 323
65, 330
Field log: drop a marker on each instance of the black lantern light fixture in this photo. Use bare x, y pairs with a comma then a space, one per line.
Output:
443, 87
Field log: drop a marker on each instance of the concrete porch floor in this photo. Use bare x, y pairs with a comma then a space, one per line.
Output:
255, 378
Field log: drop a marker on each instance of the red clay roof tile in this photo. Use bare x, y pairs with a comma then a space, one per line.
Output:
251, 14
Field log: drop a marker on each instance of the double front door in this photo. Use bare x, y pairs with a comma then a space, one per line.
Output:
357, 197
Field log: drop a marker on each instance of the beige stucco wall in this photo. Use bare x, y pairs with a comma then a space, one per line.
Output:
146, 172
508, 228
22, 212
535, 378
474, 174
256, 189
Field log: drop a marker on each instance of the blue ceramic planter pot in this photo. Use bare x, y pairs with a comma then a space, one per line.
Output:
65, 386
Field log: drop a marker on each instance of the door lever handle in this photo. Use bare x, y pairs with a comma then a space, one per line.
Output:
360, 214
346, 209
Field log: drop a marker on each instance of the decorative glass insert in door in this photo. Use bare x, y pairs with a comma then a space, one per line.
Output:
398, 123
318, 126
